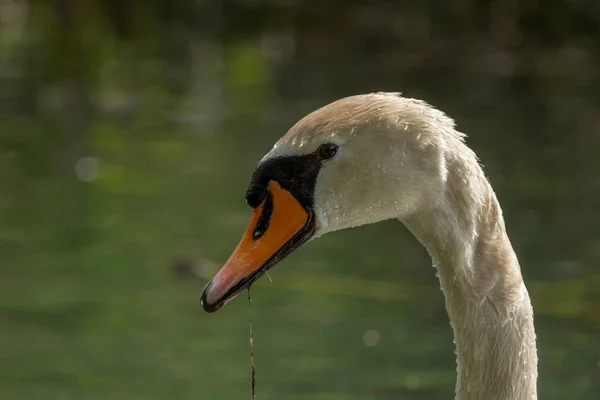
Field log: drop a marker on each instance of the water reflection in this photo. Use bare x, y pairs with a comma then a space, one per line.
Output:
125, 152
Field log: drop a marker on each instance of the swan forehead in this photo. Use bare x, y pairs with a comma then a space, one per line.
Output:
359, 118
343, 120
299, 144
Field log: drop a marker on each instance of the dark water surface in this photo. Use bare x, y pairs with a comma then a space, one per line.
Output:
125, 152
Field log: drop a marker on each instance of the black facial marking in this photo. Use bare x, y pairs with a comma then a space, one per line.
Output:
296, 174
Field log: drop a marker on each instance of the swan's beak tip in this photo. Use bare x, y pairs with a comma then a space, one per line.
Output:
206, 304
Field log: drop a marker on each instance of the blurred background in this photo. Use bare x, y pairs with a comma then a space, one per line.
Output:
129, 131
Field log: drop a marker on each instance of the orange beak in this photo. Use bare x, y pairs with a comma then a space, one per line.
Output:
277, 226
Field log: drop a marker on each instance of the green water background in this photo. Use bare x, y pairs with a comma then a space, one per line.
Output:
129, 131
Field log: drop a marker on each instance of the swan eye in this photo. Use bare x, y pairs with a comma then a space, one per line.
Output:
327, 150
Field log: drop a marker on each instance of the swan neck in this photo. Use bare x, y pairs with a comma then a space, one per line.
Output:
486, 299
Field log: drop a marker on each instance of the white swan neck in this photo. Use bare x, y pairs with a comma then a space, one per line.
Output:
486, 299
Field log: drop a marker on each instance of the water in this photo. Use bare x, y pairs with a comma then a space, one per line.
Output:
124, 163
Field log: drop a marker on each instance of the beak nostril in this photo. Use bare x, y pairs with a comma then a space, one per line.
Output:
258, 232
263, 221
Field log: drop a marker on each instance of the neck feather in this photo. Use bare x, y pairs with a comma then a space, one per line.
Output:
486, 299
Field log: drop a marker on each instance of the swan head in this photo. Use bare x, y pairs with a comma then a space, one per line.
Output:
359, 160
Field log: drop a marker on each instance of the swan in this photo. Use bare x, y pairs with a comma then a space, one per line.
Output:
372, 157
